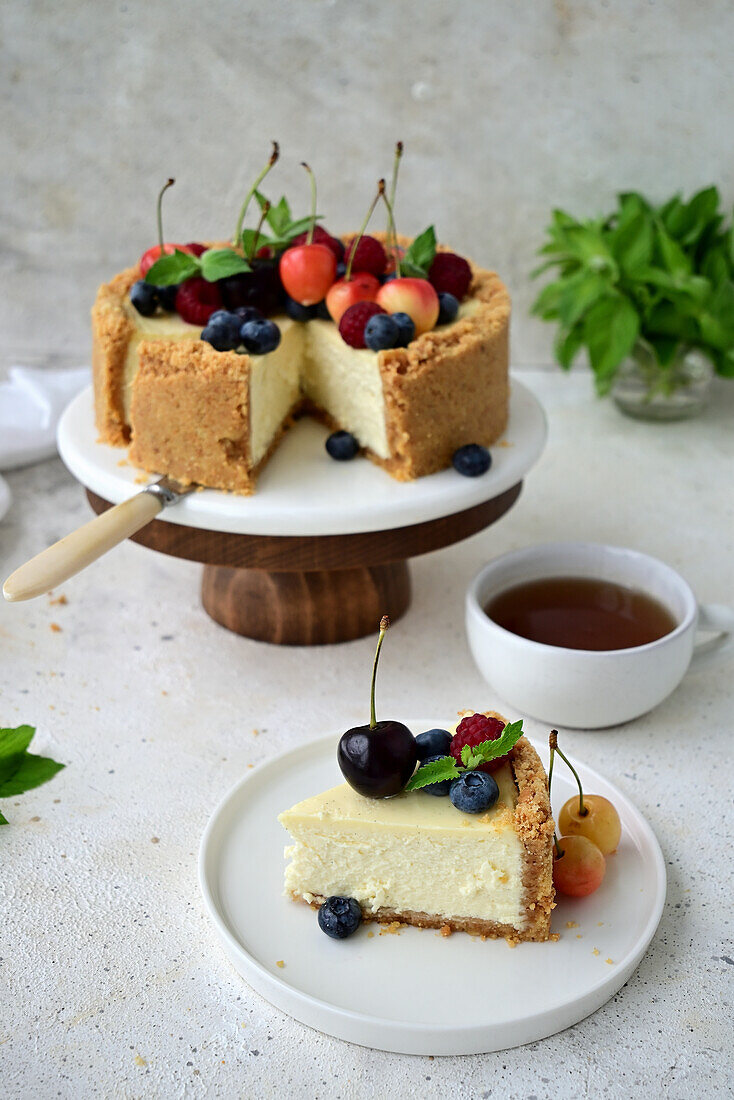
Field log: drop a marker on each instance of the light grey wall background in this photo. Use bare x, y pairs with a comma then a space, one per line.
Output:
506, 109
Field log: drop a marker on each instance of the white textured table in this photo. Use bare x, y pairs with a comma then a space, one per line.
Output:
113, 984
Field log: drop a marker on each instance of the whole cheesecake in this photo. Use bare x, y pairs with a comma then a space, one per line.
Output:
417, 859
214, 417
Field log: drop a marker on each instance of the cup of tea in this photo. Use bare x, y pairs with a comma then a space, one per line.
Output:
584, 635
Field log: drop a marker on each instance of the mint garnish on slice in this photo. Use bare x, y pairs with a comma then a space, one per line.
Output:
418, 258
471, 758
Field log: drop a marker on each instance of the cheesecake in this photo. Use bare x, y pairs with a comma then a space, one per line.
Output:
417, 859
215, 417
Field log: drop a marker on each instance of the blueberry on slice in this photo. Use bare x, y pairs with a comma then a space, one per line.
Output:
443, 787
433, 743
247, 313
340, 917
222, 331
472, 460
296, 311
342, 446
260, 336
167, 297
474, 792
448, 307
144, 296
406, 329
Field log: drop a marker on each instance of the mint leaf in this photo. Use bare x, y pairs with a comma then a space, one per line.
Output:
492, 750
278, 216
220, 263
173, 269
3, 819
567, 346
13, 741
33, 771
435, 772
420, 255
611, 327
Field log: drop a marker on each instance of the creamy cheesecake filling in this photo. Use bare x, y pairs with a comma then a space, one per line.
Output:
411, 853
347, 383
274, 387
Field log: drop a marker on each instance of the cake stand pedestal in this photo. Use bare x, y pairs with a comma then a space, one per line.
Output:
311, 590
320, 552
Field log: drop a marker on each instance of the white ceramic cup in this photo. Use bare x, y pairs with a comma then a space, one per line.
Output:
588, 689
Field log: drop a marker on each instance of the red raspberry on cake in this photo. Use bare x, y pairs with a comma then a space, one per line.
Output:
471, 731
354, 321
196, 300
450, 274
369, 256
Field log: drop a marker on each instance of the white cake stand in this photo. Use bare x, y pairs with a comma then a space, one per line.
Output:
320, 551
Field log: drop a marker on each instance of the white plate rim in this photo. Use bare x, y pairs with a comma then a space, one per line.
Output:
405, 503
434, 1039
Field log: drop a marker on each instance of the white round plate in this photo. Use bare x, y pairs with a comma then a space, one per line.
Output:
416, 992
302, 491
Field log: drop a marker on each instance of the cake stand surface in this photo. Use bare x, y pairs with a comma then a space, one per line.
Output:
320, 551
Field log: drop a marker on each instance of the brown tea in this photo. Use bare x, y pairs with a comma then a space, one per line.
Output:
580, 613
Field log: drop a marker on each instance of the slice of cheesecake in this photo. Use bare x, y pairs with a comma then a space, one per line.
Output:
418, 860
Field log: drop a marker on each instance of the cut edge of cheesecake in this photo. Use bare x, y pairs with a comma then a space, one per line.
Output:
534, 826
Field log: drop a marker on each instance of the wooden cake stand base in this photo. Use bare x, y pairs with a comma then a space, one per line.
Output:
315, 589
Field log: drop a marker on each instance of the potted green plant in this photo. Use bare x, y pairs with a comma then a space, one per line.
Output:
648, 292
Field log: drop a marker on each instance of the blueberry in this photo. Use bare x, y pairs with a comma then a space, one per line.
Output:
444, 786
321, 311
222, 331
167, 297
381, 332
342, 446
472, 460
340, 917
406, 328
260, 336
341, 269
247, 313
144, 296
448, 307
296, 311
474, 792
433, 743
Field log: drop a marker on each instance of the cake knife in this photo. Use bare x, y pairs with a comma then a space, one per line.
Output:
76, 551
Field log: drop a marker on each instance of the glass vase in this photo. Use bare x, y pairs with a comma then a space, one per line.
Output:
644, 389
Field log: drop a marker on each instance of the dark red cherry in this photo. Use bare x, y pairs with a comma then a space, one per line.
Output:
378, 759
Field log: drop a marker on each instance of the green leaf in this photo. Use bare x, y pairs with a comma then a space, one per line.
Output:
220, 263
435, 772
724, 362
33, 771
665, 348
279, 214
491, 750
3, 819
611, 327
547, 303
632, 243
419, 256
671, 254
567, 345
13, 741
579, 292
173, 269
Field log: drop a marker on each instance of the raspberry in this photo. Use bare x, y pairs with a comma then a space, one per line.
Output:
196, 300
450, 274
195, 248
354, 321
321, 236
472, 731
369, 256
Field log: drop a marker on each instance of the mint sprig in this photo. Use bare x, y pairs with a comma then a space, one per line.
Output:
21, 770
215, 263
471, 757
420, 255
656, 277
283, 226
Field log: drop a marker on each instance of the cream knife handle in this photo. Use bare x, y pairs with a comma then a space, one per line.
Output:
79, 549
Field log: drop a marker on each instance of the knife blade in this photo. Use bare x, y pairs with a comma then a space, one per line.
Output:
80, 548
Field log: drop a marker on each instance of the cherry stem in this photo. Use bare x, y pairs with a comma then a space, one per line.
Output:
263, 215
583, 810
395, 170
553, 742
392, 232
248, 198
358, 238
384, 624
159, 211
312, 178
